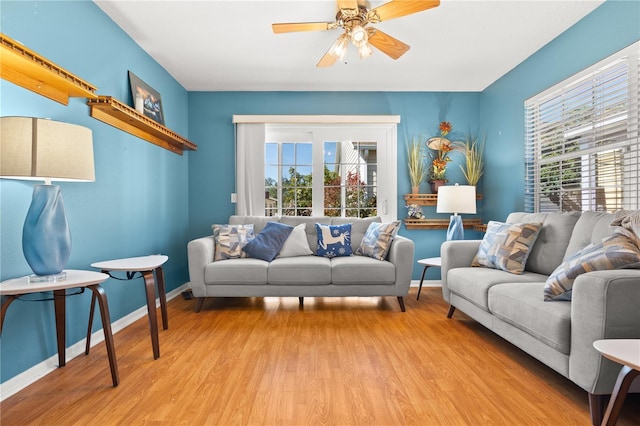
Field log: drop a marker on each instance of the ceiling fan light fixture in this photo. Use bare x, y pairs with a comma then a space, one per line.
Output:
365, 51
359, 36
339, 48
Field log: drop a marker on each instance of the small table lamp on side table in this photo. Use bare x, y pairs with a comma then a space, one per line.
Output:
456, 199
146, 266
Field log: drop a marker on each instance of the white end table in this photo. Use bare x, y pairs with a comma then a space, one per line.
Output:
146, 266
627, 353
16, 287
430, 262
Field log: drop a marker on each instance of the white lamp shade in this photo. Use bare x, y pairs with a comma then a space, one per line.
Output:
40, 149
456, 199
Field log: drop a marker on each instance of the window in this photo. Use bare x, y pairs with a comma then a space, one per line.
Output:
334, 169
581, 142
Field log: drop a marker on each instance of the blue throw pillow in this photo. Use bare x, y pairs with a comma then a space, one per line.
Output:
334, 240
269, 241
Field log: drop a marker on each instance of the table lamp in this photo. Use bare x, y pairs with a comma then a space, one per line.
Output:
46, 150
456, 199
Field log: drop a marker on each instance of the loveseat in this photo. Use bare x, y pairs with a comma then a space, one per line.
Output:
301, 272
604, 304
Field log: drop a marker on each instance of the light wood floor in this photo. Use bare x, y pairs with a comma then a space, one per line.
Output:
339, 361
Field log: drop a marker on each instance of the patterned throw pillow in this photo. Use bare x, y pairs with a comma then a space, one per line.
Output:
506, 246
334, 240
268, 242
614, 252
376, 242
229, 240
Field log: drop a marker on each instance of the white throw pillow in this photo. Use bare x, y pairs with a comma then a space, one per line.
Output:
296, 244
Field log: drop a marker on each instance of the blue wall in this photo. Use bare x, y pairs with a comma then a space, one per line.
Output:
611, 27
138, 204
147, 200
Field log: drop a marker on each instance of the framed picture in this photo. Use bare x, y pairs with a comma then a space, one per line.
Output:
146, 100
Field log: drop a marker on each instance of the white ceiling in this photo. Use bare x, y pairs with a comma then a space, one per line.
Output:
462, 45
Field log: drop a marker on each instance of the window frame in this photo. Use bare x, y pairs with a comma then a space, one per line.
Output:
579, 123
360, 128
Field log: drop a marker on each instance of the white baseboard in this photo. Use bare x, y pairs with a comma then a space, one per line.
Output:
38, 371
426, 283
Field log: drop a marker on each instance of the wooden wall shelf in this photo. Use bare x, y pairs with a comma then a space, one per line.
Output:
26, 68
123, 117
427, 199
439, 223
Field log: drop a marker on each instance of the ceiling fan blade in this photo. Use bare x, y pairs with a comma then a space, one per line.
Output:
388, 45
398, 8
326, 61
300, 26
348, 4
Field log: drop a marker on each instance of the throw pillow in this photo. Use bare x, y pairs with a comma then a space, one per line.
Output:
268, 242
296, 244
614, 252
229, 240
334, 240
506, 246
376, 242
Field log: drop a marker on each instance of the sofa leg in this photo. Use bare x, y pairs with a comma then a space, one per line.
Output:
199, 304
301, 301
597, 405
401, 302
452, 309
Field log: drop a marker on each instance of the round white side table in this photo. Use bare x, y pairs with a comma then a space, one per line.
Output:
430, 262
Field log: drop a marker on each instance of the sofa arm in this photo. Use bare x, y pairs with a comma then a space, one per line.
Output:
199, 254
456, 254
401, 255
604, 306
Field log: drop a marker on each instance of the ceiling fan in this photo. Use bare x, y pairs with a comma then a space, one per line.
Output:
354, 16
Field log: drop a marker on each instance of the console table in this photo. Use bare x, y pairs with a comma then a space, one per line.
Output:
146, 266
17, 287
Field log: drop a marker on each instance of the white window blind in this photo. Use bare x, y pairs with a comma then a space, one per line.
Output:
581, 141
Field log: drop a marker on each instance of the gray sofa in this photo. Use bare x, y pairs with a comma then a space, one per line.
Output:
301, 276
605, 304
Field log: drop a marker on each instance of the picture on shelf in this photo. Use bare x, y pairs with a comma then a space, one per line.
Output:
146, 100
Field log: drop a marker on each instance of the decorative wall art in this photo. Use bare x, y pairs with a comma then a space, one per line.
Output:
146, 100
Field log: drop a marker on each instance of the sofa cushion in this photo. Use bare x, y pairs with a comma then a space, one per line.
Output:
591, 228
359, 227
310, 229
305, 270
552, 241
230, 239
258, 222
334, 240
376, 242
268, 242
473, 284
520, 305
357, 270
296, 244
614, 252
506, 246
245, 271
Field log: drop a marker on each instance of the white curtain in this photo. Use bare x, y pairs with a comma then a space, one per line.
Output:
250, 140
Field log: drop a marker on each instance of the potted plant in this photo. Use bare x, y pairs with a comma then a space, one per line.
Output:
474, 160
417, 168
441, 148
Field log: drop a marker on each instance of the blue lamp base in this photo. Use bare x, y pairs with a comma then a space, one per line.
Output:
46, 240
456, 228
